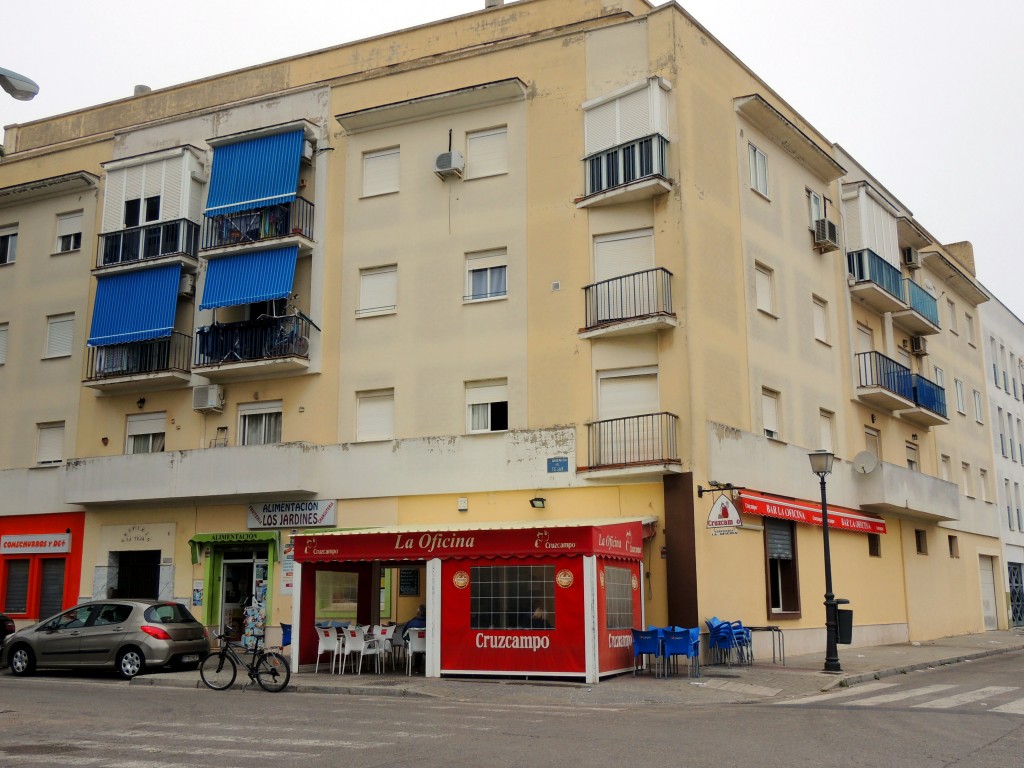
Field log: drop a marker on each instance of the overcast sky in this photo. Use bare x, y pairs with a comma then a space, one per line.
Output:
926, 94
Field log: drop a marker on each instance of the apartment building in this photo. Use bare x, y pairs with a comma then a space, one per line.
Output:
539, 307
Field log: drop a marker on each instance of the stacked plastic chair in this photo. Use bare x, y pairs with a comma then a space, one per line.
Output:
729, 639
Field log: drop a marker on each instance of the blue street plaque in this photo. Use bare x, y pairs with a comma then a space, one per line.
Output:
558, 464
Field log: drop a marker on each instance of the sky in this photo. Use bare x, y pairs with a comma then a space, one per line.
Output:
925, 94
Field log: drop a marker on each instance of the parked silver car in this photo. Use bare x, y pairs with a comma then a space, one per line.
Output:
126, 635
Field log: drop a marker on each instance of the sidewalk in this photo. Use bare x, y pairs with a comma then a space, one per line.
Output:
718, 684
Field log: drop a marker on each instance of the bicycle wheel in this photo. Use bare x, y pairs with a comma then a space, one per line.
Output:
218, 670
272, 672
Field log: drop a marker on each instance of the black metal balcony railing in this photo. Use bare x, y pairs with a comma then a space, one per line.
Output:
877, 370
148, 242
866, 265
629, 297
225, 343
171, 353
252, 226
627, 162
928, 394
633, 440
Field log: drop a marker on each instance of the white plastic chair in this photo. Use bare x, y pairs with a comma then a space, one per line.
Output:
398, 644
356, 642
385, 636
328, 642
416, 642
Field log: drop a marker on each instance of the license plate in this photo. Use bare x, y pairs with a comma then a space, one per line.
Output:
189, 658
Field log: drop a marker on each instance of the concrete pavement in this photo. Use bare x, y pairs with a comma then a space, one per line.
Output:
763, 680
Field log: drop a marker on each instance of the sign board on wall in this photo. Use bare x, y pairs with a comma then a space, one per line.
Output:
409, 582
724, 518
311, 513
34, 544
288, 569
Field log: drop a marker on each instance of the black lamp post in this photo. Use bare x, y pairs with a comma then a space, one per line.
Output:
821, 465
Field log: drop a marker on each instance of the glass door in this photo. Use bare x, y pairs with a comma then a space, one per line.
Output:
243, 580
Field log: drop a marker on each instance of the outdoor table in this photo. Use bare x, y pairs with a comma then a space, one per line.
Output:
777, 638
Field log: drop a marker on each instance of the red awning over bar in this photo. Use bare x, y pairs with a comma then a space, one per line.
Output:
809, 512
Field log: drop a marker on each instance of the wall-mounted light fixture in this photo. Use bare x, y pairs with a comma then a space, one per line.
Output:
141, 402
537, 502
104, 440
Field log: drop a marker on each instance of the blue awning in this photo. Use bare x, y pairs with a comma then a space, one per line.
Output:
255, 173
135, 305
248, 277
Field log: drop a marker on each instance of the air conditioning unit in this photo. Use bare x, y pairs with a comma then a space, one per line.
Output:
449, 164
919, 345
187, 286
826, 235
911, 258
307, 150
209, 397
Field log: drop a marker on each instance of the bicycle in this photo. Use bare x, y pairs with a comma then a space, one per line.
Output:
286, 337
268, 668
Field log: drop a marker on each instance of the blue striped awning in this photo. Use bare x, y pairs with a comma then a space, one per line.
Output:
255, 173
135, 305
248, 277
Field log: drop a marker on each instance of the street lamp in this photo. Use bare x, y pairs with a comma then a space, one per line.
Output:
821, 465
19, 86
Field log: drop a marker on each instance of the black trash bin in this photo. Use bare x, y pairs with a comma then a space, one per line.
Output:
845, 625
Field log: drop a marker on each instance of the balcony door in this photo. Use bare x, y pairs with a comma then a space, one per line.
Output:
615, 256
628, 433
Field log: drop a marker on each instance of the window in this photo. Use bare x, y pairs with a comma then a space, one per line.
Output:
1002, 365
487, 152
618, 597
820, 309
912, 461
758, 170
3, 343
1009, 503
874, 545
375, 415
1020, 441
826, 430
1002, 435
69, 232
940, 377
378, 290
8, 244
487, 406
50, 443
512, 597
921, 541
381, 172
946, 468
780, 552
259, 423
1016, 494
969, 328
145, 433
770, 413
965, 479
951, 313
873, 441
60, 335
979, 415
815, 207
983, 484
960, 396
1009, 426
763, 288
1014, 366
486, 276
133, 208
954, 546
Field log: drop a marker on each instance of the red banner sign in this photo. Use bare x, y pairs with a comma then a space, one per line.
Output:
808, 512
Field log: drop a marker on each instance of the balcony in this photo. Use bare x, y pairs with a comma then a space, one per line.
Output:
876, 282
884, 383
629, 304
634, 445
929, 402
226, 351
636, 170
288, 223
922, 318
891, 489
142, 365
170, 241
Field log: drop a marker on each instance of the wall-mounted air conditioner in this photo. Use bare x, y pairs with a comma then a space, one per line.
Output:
826, 235
187, 286
911, 258
919, 345
209, 397
449, 164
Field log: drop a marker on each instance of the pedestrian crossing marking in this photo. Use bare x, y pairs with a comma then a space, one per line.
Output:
886, 698
1013, 708
948, 702
840, 694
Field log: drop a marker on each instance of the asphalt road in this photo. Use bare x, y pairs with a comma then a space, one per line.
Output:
968, 715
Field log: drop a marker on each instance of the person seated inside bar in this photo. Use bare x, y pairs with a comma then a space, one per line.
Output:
419, 621
539, 619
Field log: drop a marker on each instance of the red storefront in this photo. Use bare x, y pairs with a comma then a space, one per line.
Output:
557, 600
809, 512
40, 563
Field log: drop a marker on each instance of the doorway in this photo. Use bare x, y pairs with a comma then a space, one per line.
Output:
243, 579
138, 574
988, 591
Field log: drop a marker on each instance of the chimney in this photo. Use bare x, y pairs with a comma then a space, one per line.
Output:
141, 90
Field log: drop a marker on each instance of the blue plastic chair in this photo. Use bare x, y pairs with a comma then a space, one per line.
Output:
679, 642
646, 643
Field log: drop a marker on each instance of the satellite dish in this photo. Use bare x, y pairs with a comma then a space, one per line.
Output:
865, 462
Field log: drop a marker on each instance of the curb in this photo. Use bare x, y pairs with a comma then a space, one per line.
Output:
847, 680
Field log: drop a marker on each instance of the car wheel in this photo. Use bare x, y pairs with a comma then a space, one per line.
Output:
130, 663
22, 661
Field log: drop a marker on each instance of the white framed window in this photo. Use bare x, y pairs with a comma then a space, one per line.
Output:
1016, 492
378, 291
381, 171
259, 423
770, 413
758, 170
815, 207
8, 244
912, 458
965, 479
951, 314
820, 309
69, 232
969, 328
145, 433
375, 415
486, 276
946, 468
983, 484
1009, 428
959, 385
873, 441
60, 335
1020, 440
940, 377
826, 430
50, 443
1009, 503
1002, 435
979, 415
487, 405
3, 343
487, 152
764, 287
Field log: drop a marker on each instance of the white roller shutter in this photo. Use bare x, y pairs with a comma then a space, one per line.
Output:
60, 335
50, 444
478, 393
378, 288
623, 254
381, 172
375, 419
635, 116
172, 189
621, 396
3, 344
487, 152
113, 200
601, 127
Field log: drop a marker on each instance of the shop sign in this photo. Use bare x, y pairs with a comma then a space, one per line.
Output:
809, 513
293, 514
34, 544
724, 518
